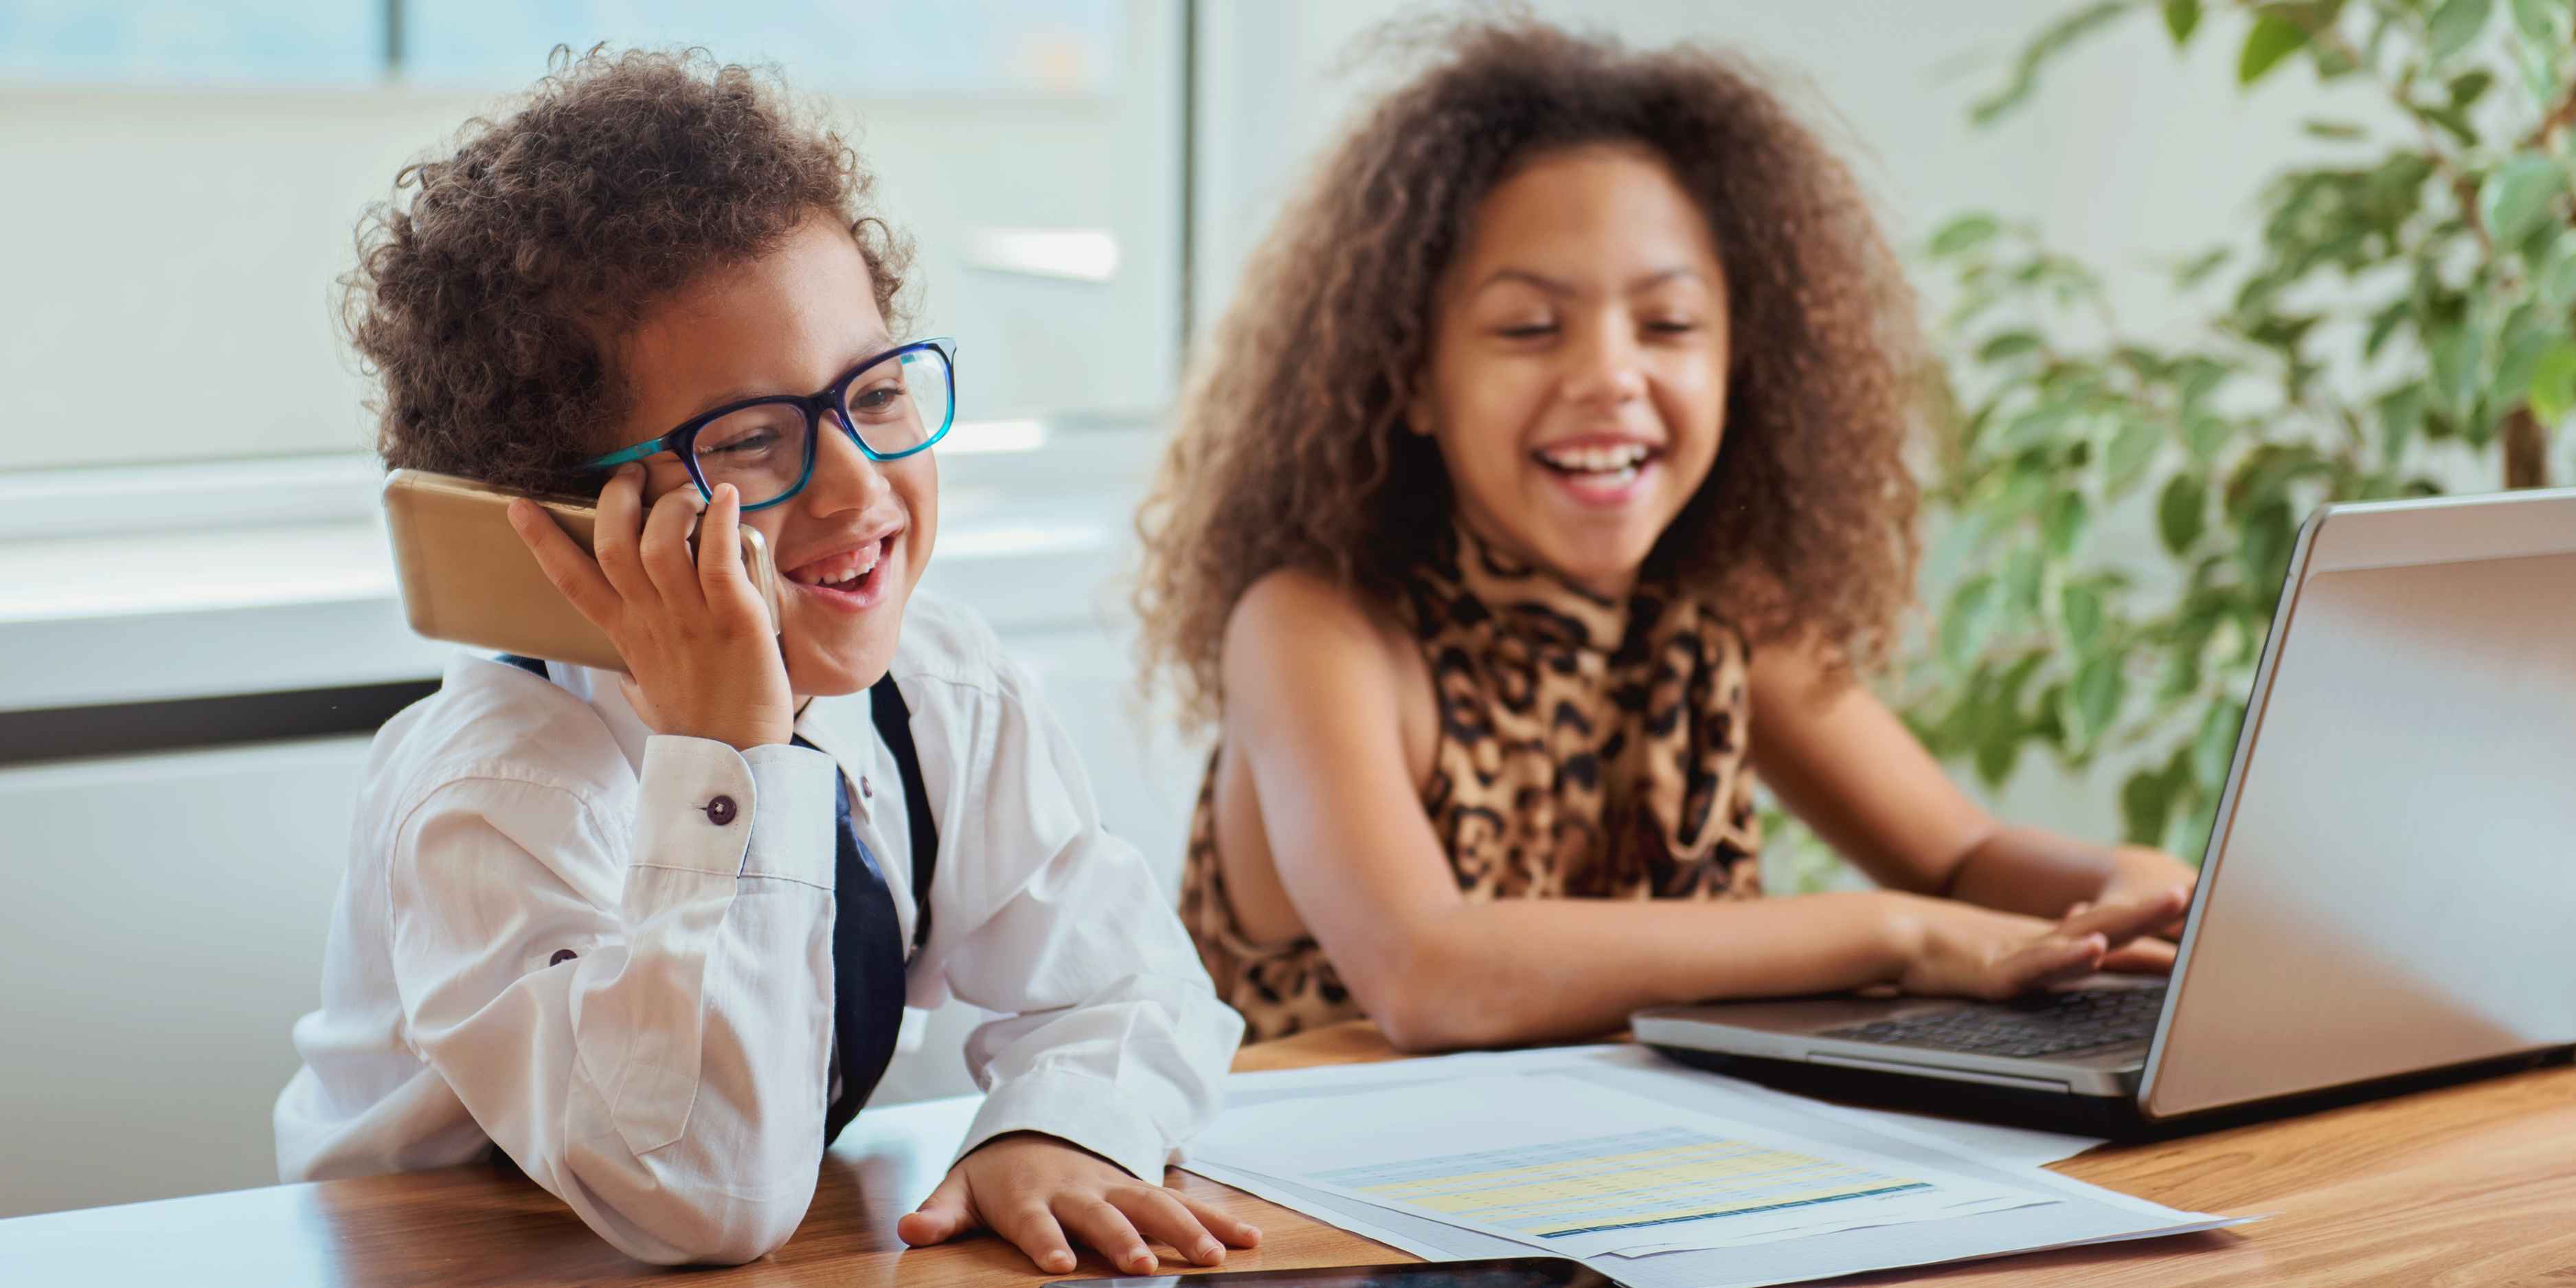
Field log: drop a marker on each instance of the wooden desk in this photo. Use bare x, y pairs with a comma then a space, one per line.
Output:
2468, 1185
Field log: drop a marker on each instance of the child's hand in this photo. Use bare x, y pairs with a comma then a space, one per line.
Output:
1961, 950
2140, 872
1033, 1190
694, 634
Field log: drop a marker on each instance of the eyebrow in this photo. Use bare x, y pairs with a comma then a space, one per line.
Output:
876, 346
1557, 286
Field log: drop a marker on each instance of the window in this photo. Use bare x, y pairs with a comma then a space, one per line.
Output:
199, 166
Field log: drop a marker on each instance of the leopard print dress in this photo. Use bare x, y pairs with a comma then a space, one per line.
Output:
1587, 750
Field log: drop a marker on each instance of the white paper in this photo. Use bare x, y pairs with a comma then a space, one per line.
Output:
1577, 1169
2006, 1157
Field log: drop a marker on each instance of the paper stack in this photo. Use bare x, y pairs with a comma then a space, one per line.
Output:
1659, 1176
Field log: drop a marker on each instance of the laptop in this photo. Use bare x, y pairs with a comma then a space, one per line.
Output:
2388, 894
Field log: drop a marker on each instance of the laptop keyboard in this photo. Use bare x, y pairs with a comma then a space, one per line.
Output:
2049, 1024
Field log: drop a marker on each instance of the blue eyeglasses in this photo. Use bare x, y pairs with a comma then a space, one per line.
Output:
893, 405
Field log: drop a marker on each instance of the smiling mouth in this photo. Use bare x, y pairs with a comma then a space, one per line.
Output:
1613, 464
843, 571
852, 579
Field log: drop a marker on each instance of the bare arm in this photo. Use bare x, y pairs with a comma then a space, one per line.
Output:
1855, 774
1310, 700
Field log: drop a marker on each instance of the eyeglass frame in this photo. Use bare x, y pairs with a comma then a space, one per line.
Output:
831, 399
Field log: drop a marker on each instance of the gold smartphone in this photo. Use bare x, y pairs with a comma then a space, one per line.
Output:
468, 579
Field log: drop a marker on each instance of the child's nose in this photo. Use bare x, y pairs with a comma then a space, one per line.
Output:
844, 477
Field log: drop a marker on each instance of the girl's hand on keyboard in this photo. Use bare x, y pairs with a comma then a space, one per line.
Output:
1959, 950
2141, 872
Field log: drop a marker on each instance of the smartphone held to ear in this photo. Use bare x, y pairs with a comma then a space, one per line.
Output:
467, 578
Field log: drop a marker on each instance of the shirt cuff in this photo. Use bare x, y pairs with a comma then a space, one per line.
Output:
702, 806
1079, 1109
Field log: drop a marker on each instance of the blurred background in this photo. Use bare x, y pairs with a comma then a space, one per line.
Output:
2192, 274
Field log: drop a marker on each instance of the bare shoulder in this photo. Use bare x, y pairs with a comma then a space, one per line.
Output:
1309, 658
1299, 627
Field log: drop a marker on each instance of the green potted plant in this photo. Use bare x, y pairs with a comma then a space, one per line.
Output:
2407, 316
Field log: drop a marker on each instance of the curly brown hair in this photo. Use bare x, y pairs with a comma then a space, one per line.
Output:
1290, 449
490, 304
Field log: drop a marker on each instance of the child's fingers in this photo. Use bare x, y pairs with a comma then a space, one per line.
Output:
666, 548
572, 572
1032, 1229
2122, 920
1099, 1223
614, 535
1160, 1213
2050, 961
720, 545
941, 1217
1225, 1225
2141, 957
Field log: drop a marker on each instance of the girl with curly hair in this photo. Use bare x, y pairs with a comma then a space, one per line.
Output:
1545, 483
651, 937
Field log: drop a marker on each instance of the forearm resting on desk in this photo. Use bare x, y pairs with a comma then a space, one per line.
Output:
1537, 970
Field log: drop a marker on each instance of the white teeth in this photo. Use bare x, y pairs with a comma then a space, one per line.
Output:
867, 564
1598, 460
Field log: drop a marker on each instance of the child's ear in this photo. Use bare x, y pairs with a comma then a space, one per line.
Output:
1417, 414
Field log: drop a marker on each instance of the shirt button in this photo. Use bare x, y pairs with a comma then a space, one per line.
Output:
867, 789
561, 956
721, 810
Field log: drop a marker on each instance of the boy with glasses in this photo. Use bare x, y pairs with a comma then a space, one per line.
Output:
651, 936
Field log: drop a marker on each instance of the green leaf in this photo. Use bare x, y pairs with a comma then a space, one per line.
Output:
2189, 834
2182, 17
2537, 20
2340, 131
2453, 121
2215, 744
1964, 233
2521, 365
2468, 87
2519, 197
2204, 434
2052, 40
2558, 281
2553, 383
2130, 451
2024, 570
2079, 607
2099, 688
2038, 426
2272, 39
2264, 550
2455, 366
2195, 270
2383, 325
2401, 417
2456, 24
1970, 621
2011, 344
2144, 801
1998, 751
2182, 511
2062, 526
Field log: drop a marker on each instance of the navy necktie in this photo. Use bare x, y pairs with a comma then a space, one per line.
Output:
867, 968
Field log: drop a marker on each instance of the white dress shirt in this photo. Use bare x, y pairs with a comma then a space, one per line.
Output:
547, 941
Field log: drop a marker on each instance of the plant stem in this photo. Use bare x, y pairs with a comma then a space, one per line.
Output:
2526, 450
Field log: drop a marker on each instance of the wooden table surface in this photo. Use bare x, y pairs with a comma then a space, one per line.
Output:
2472, 1184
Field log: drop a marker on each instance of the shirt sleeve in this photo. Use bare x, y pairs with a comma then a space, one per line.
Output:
1110, 1035
641, 1021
